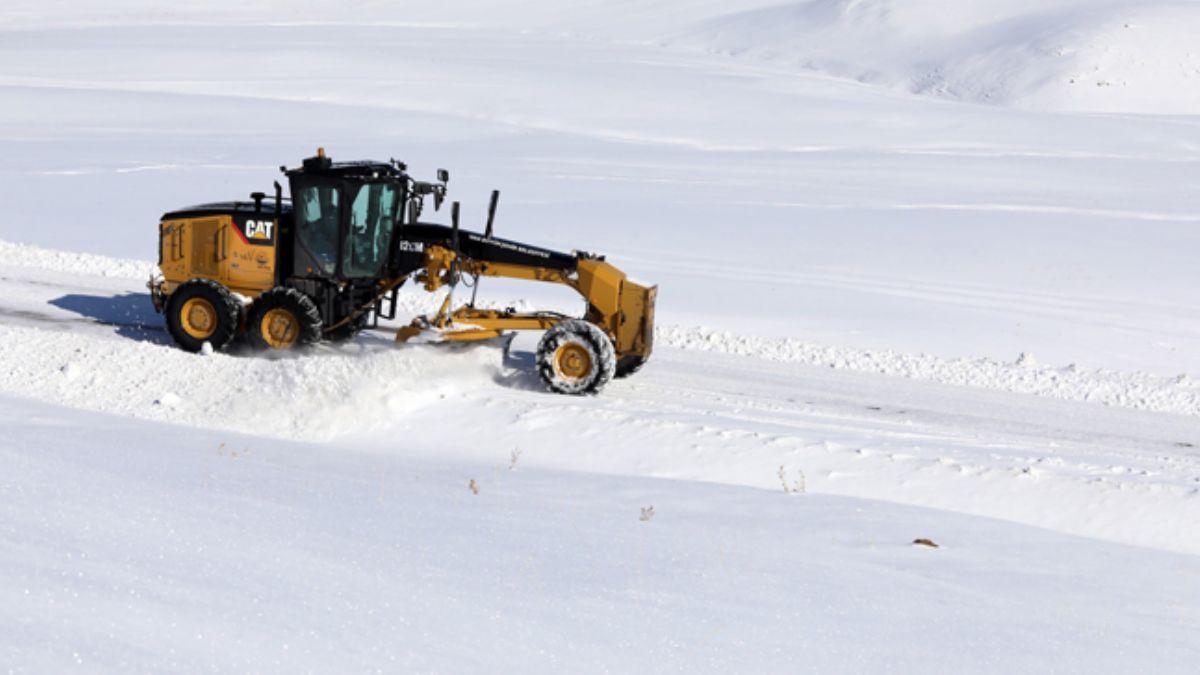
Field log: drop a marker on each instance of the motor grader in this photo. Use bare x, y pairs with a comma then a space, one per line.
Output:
287, 273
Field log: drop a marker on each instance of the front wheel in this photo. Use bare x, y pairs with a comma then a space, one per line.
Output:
576, 357
283, 318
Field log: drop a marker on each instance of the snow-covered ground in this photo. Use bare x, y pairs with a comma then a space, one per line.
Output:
130, 546
919, 269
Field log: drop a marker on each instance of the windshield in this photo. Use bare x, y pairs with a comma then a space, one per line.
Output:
372, 219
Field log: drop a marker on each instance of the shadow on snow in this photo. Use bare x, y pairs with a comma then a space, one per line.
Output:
131, 314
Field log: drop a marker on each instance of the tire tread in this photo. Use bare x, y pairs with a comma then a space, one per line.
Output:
602, 348
229, 309
283, 297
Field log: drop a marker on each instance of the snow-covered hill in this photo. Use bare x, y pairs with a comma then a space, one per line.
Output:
886, 313
1129, 56
1134, 56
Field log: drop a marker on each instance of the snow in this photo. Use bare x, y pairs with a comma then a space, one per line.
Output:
925, 268
74, 263
132, 546
1135, 56
343, 387
316, 397
963, 436
1134, 390
774, 202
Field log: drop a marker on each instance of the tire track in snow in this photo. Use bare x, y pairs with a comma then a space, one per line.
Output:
1122, 476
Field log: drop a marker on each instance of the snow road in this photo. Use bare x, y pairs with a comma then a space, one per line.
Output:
374, 533
841, 427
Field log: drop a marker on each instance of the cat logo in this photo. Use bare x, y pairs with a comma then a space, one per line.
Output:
259, 229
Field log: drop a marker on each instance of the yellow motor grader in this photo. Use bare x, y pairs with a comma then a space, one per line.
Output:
328, 262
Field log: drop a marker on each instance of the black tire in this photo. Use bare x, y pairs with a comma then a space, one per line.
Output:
628, 365
283, 304
214, 316
576, 357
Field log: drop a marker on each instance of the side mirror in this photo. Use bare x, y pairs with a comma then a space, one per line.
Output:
443, 176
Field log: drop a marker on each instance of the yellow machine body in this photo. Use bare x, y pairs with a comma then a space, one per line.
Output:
215, 247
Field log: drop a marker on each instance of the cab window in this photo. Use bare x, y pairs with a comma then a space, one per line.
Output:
373, 210
317, 223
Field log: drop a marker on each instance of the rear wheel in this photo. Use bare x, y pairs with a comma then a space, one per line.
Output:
576, 357
202, 310
283, 318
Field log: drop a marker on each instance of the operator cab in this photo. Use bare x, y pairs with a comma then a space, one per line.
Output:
345, 217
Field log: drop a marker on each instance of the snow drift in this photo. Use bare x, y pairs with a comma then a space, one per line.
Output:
1079, 55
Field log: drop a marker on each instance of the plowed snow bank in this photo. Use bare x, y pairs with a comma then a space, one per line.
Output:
314, 396
1141, 391
24, 255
